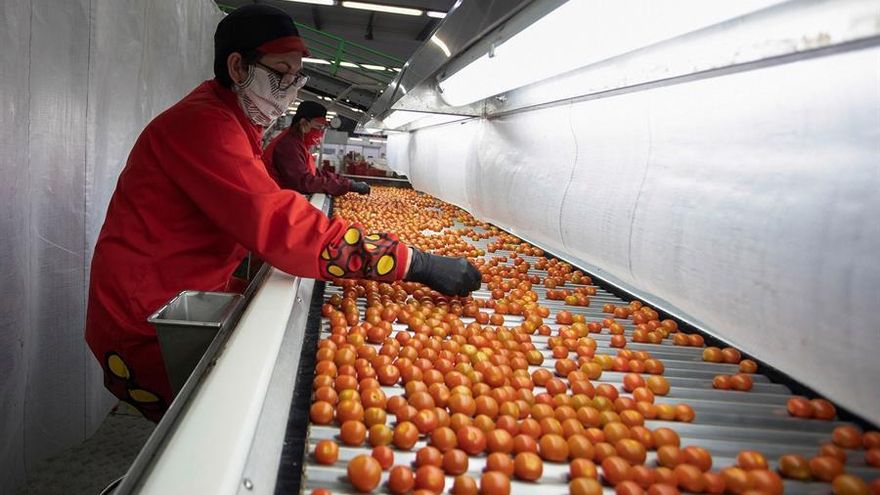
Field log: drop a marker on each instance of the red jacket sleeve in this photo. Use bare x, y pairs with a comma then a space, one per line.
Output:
290, 160
209, 156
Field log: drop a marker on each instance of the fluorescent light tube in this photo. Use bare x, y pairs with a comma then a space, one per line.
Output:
355, 139
594, 30
309, 60
349, 65
445, 49
435, 14
381, 8
373, 67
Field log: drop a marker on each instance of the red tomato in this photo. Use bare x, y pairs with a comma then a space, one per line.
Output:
750, 459
847, 484
616, 470
455, 462
430, 478
848, 437
326, 452
825, 468
799, 407
384, 455
629, 488
364, 472
794, 467
494, 483
464, 485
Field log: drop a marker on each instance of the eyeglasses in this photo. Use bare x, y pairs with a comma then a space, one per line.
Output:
287, 80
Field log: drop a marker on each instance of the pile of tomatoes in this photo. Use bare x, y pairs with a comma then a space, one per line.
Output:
469, 384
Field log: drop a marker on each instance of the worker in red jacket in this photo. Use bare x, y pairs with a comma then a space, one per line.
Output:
290, 162
195, 197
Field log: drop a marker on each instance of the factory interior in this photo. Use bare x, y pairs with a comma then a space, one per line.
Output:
476, 247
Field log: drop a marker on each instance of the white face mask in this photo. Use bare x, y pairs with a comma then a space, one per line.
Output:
261, 98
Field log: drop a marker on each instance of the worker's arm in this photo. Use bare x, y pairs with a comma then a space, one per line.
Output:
353, 186
227, 182
290, 160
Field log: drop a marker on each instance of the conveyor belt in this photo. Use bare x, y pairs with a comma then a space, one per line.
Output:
726, 421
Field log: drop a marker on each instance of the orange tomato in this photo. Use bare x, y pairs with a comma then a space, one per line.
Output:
825, 468
321, 413
430, 478
401, 480
847, 484
353, 433
823, 409
616, 470
584, 486
848, 437
494, 483
384, 455
580, 468
464, 485
765, 481
528, 466
471, 439
750, 459
364, 472
799, 407
326, 452
405, 435
629, 488
698, 456
794, 467
689, 478
455, 462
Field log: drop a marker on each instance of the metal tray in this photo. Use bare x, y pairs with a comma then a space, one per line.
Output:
186, 325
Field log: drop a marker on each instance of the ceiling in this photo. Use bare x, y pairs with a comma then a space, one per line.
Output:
350, 39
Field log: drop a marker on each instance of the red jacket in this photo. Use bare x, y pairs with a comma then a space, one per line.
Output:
193, 198
289, 162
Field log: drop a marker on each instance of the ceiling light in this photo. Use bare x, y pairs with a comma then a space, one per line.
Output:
309, 60
437, 41
400, 118
373, 67
435, 14
349, 65
381, 8
355, 139
316, 2
601, 30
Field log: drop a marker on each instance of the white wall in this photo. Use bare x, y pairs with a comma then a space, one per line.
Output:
746, 202
80, 79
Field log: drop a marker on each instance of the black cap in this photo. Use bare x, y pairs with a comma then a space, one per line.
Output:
252, 27
309, 110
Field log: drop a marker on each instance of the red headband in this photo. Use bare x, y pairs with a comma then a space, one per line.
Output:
284, 45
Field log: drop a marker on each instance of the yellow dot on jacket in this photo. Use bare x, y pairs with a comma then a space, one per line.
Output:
141, 395
370, 247
325, 254
385, 264
352, 236
117, 366
373, 237
335, 271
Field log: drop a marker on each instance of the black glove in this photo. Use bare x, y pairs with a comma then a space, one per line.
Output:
451, 276
359, 187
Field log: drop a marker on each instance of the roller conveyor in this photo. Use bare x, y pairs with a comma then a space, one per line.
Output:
726, 423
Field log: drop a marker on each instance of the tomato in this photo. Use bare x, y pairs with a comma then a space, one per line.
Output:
524, 443
831, 450
631, 450
579, 447
380, 435
471, 439
426, 420
464, 485
603, 451
823, 409
494, 483
632, 381
321, 491
658, 385
401, 480
741, 382
326, 452
721, 382
528, 466
443, 438
616, 470
629, 488
349, 410
455, 462
405, 435
353, 433
497, 461
580, 468
429, 456
430, 478
665, 436
615, 431
321, 413
689, 478
794, 467
712, 355
848, 437
384, 455
553, 447
765, 481
375, 416
750, 459
664, 475
872, 457
698, 457
825, 468
584, 486
748, 366
736, 480
714, 483
663, 489
669, 456
731, 355
364, 472
871, 440
499, 441
799, 407
847, 484
643, 475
